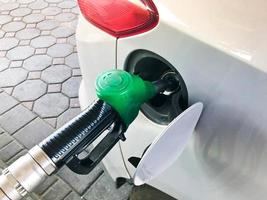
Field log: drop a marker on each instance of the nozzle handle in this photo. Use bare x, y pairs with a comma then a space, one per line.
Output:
79, 132
88, 163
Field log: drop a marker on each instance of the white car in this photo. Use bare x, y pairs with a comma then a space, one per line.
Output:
219, 50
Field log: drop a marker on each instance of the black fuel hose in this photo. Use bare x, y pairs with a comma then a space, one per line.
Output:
77, 133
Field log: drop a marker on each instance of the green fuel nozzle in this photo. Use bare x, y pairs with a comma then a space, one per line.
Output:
126, 92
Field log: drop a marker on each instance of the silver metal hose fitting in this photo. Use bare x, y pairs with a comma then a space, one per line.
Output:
25, 174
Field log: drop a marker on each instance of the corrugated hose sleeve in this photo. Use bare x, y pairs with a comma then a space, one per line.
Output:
79, 132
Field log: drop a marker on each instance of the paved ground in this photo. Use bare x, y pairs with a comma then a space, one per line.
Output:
39, 79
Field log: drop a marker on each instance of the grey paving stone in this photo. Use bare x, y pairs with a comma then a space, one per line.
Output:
53, 192
30, 197
2, 166
25, 1
5, 139
66, 10
75, 10
8, 43
67, 116
34, 75
10, 34
67, 4
24, 42
20, 12
71, 86
60, 50
5, 12
12, 77
9, 6
38, 4
17, 19
73, 196
20, 53
28, 104
8, 90
45, 185
54, 1
43, 41
13, 26
51, 121
62, 32
16, 156
56, 74
61, 40
51, 105
74, 103
72, 60
58, 61
74, 23
52, 88
31, 25
33, 18
6, 102
3, 54
45, 33
72, 40
76, 72
37, 62
1, 130
104, 188
28, 33
40, 51
4, 63
80, 182
36, 11
16, 63
2, 33
51, 11
10, 150
37, 130
5, 19
16, 118
48, 24
147, 192
65, 17
29, 90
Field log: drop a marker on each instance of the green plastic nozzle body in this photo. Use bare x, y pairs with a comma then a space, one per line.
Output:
125, 92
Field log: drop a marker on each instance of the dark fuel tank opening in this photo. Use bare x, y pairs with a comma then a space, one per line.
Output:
163, 108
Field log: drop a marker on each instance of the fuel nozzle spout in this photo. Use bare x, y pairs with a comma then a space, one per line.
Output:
168, 84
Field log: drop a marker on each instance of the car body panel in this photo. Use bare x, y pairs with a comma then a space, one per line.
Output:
235, 27
219, 48
225, 158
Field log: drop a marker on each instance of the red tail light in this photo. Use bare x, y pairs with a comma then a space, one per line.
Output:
120, 18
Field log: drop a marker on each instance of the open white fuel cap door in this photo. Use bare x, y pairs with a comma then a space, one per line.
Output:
168, 146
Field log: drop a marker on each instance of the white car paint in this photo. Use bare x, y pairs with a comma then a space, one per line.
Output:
219, 48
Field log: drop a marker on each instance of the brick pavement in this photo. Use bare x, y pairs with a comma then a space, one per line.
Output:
39, 80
